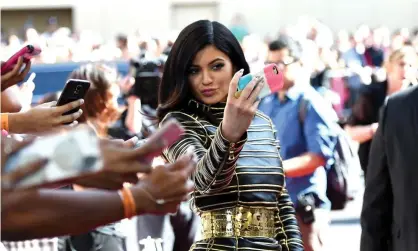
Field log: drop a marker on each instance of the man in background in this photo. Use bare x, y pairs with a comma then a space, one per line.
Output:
389, 218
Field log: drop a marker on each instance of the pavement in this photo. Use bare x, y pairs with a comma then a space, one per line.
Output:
345, 230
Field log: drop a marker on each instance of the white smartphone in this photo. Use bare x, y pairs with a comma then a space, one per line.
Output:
71, 155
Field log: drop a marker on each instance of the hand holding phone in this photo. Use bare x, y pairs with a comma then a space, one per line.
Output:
45, 118
70, 155
167, 135
26, 53
270, 76
240, 106
74, 89
9, 146
122, 163
14, 76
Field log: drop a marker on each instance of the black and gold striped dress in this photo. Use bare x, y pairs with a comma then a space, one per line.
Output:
239, 187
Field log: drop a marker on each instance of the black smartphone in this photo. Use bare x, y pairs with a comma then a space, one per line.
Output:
74, 89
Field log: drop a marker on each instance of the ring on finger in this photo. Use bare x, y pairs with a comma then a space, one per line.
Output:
160, 201
237, 94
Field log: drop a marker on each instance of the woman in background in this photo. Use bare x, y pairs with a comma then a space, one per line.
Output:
400, 68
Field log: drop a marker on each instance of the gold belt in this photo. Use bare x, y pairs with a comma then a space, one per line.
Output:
238, 222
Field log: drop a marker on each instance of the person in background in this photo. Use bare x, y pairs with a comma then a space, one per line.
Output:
122, 45
306, 146
239, 28
100, 110
401, 68
101, 107
52, 26
389, 218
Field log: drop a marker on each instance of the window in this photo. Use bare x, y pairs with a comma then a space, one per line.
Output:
187, 13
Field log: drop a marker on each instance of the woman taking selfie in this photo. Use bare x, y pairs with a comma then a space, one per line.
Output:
240, 193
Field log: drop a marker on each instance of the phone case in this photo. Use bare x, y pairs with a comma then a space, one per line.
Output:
71, 155
26, 52
74, 89
169, 133
271, 76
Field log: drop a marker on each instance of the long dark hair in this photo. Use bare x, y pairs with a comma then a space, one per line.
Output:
174, 91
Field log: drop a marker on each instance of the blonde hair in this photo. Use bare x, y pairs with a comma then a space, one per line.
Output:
401, 53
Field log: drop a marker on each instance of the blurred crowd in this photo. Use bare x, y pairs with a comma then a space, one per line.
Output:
323, 47
356, 55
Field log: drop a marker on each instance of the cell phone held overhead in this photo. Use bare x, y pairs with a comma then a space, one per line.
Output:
270, 75
74, 89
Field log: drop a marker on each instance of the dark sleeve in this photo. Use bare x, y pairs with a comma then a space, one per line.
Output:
376, 216
288, 230
361, 111
217, 157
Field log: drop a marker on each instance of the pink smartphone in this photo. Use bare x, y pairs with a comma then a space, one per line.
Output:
169, 133
26, 52
270, 75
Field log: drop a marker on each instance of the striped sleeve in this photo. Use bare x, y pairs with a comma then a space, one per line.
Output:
217, 157
288, 235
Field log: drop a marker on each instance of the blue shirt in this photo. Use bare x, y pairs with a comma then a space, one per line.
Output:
314, 136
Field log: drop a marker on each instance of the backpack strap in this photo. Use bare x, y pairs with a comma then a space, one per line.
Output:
302, 109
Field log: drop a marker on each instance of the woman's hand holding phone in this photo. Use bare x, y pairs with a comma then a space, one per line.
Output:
44, 118
16, 75
240, 108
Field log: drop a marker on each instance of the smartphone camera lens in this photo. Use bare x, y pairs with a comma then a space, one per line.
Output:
77, 89
275, 70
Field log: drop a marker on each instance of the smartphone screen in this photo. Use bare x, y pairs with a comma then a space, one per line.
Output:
74, 89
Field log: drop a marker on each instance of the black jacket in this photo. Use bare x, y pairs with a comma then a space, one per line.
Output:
389, 217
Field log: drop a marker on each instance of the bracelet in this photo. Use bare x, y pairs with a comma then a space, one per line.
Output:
5, 121
128, 201
157, 201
